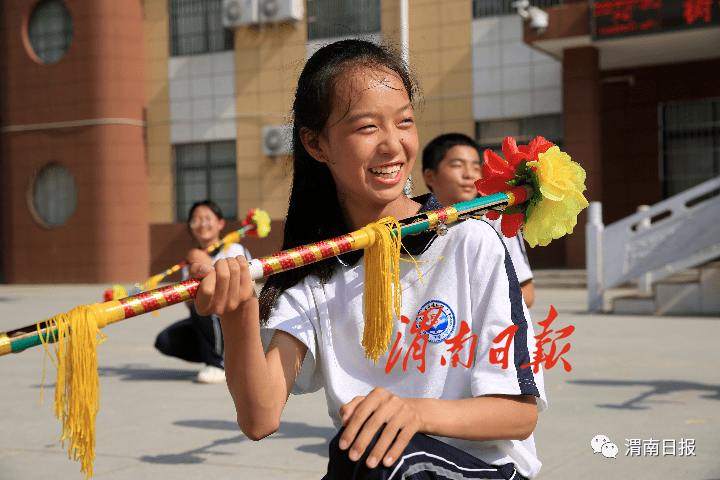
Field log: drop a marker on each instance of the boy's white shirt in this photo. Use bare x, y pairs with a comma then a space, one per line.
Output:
516, 248
466, 270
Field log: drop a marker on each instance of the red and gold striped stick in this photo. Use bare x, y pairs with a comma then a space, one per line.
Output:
256, 223
106, 313
116, 310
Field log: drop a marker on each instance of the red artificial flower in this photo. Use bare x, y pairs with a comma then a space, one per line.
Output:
496, 172
531, 150
248, 220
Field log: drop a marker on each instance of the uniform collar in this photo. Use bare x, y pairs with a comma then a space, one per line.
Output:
412, 244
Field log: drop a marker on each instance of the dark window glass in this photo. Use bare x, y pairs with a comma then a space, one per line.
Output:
54, 195
196, 27
689, 144
50, 31
340, 18
490, 134
206, 171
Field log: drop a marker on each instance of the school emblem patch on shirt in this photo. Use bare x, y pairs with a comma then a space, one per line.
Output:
439, 316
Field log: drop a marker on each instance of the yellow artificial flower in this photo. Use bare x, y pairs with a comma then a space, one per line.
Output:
562, 182
262, 223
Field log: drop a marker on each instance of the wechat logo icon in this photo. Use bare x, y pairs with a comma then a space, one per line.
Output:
601, 444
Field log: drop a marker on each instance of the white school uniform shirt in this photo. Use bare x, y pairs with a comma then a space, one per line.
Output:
234, 250
466, 277
516, 248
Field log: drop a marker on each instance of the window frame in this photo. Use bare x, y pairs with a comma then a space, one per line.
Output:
332, 22
182, 205
528, 130
710, 129
60, 41
214, 39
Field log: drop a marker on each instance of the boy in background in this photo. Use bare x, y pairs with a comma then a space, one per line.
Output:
451, 165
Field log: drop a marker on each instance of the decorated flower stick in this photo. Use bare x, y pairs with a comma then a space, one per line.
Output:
538, 181
558, 184
256, 224
541, 185
144, 302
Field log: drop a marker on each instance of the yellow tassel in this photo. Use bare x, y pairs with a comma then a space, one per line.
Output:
150, 284
77, 388
382, 273
229, 239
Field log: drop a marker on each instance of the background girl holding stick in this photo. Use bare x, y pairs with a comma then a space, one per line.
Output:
199, 338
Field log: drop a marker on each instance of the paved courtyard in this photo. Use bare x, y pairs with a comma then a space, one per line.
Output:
635, 379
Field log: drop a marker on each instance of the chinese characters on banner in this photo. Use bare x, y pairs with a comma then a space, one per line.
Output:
500, 355
466, 340
417, 347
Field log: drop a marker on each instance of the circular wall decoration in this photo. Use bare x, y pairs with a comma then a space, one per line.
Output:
52, 196
50, 31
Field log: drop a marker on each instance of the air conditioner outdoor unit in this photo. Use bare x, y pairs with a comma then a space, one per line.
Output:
236, 13
277, 140
280, 10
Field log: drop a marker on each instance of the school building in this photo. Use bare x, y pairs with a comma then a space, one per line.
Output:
116, 116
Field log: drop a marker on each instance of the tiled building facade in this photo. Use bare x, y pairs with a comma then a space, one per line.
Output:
173, 108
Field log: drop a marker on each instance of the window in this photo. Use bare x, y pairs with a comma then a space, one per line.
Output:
196, 27
689, 144
490, 134
342, 18
206, 171
50, 31
491, 8
53, 198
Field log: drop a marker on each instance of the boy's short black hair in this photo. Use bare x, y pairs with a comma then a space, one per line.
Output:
435, 151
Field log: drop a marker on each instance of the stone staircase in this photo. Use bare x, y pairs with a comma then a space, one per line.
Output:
695, 291
560, 278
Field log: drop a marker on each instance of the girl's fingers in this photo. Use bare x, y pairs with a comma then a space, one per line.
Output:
206, 290
346, 411
234, 285
222, 284
382, 445
247, 283
354, 414
364, 416
399, 429
368, 430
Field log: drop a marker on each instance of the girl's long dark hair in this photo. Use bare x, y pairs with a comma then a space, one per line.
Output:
313, 211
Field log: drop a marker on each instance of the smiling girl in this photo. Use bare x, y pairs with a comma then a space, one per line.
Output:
355, 143
199, 338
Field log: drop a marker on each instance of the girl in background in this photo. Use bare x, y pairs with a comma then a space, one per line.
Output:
199, 338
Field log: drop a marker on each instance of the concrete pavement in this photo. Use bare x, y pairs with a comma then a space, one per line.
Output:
651, 379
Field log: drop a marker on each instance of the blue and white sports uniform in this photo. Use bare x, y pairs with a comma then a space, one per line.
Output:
516, 247
467, 276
